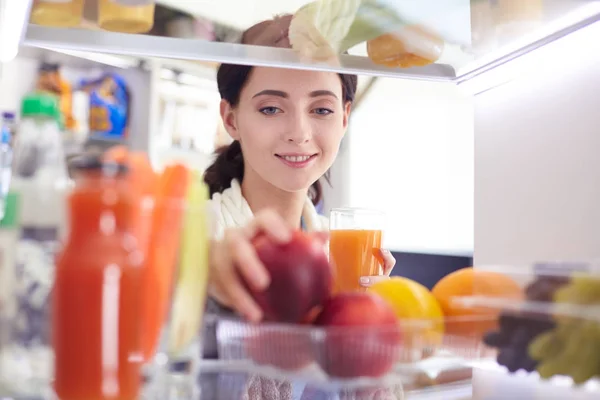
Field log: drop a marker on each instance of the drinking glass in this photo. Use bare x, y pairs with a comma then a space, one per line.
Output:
354, 246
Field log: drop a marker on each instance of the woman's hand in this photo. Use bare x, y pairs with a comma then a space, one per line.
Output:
233, 261
388, 261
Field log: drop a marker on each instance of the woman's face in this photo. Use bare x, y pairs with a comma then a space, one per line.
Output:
289, 123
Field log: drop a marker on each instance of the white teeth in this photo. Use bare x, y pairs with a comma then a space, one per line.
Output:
295, 158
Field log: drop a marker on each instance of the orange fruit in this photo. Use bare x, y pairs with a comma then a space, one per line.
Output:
419, 313
473, 321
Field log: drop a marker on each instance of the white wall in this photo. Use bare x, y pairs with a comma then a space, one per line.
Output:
16, 79
410, 154
537, 157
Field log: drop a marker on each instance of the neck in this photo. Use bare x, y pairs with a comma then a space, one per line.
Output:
261, 195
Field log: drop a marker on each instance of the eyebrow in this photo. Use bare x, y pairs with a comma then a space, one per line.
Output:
270, 92
318, 93
279, 93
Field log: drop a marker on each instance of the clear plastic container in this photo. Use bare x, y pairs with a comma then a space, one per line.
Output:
343, 358
554, 327
127, 16
57, 13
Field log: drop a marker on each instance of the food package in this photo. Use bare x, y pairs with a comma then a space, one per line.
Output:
411, 46
324, 29
110, 101
51, 81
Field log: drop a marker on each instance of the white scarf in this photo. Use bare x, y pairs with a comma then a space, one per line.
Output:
231, 210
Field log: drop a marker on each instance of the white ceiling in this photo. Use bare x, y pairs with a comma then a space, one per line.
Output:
236, 13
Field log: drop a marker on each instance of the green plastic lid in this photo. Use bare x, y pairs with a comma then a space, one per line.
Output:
40, 105
11, 211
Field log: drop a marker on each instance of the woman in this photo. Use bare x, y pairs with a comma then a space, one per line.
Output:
287, 126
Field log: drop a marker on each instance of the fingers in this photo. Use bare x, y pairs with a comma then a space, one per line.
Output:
240, 299
388, 261
271, 224
367, 281
322, 237
243, 256
225, 283
236, 268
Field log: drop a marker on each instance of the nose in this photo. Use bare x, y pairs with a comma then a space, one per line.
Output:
299, 130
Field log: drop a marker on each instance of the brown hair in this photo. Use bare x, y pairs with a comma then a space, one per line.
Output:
229, 163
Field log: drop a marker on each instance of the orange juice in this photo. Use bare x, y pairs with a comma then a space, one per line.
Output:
96, 320
354, 253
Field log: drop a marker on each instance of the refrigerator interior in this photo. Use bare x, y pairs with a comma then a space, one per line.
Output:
487, 157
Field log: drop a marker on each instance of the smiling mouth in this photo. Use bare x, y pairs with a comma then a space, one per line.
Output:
296, 159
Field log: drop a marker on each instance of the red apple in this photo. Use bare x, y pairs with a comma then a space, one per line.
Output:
362, 336
289, 349
301, 277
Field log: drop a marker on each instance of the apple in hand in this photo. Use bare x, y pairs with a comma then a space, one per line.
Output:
362, 336
301, 278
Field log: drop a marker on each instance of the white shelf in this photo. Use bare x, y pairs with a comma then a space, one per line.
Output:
144, 46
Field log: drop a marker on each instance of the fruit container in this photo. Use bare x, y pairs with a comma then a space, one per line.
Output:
340, 358
126, 291
550, 326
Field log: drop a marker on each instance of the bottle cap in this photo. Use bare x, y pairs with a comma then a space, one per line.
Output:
40, 104
8, 115
94, 162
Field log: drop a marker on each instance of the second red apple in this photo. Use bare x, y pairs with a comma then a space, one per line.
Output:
362, 336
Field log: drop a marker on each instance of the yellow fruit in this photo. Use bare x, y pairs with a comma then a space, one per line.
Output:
419, 312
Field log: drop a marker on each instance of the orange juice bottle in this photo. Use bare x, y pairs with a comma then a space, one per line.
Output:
96, 317
354, 246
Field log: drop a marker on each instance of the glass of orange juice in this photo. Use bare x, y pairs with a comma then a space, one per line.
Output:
354, 246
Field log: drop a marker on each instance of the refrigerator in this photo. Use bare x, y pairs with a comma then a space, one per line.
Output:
531, 70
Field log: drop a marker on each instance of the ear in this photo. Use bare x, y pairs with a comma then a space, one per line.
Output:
347, 110
229, 119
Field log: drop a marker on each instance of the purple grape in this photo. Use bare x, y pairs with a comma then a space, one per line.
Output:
508, 322
509, 358
518, 329
528, 364
496, 339
522, 336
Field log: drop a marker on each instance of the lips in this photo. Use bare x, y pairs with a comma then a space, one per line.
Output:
296, 160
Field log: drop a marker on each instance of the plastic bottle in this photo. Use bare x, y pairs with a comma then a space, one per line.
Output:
8, 242
6, 154
9, 122
96, 320
57, 13
40, 180
127, 16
